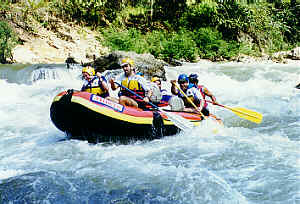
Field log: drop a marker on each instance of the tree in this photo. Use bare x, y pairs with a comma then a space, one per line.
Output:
7, 41
170, 10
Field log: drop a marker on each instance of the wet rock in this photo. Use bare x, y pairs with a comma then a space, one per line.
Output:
295, 53
144, 63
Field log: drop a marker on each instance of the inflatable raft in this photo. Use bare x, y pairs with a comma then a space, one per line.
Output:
87, 116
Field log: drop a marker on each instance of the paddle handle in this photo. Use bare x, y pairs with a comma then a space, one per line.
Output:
132, 92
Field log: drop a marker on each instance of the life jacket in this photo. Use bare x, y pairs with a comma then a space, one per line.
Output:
196, 101
186, 102
134, 86
95, 87
164, 101
159, 97
165, 98
201, 90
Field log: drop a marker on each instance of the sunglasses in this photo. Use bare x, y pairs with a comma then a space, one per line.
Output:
182, 81
126, 65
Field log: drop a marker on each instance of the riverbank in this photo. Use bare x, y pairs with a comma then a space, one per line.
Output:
47, 46
70, 41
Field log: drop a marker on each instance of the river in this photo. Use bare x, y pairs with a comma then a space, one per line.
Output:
242, 162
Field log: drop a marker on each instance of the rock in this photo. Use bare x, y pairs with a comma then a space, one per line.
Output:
71, 60
145, 63
24, 55
295, 53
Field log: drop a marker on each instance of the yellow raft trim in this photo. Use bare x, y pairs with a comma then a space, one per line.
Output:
115, 114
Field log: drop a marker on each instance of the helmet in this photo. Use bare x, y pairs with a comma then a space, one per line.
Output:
193, 78
154, 79
127, 61
90, 70
183, 78
140, 73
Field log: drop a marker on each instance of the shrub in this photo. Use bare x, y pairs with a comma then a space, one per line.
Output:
7, 41
212, 46
127, 40
200, 15
156, 41
180, 46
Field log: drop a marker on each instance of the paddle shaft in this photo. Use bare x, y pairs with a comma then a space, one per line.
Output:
179, 121
232, 109
132, 92
190, 101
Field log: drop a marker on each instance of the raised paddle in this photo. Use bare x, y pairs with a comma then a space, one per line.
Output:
197, 108
190, 101
178, 120
244, 113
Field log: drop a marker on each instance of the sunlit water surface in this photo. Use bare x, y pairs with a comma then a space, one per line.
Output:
242, 162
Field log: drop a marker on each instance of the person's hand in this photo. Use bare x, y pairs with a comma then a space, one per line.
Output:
98, 74
215, 103
112, 80
146, 99
173, 81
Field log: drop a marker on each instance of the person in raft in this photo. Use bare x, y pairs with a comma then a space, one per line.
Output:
136, 83
193, 92
194, 88
95, 83
159, 96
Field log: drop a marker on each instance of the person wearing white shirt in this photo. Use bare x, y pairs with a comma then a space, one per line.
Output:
136, 83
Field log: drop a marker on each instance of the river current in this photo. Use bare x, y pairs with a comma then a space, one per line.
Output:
240, 163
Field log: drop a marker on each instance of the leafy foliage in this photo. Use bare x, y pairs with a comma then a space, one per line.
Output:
200, 15
7, 41
160, 44
212, 46
232, 19
89, 12
180, 46
180, 29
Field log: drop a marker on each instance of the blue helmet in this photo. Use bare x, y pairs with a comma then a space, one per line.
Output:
183, 78
193, 78
140, 73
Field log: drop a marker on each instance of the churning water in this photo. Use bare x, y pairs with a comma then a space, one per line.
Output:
242, 162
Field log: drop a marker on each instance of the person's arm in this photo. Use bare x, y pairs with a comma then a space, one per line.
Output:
104, 84
102, 80
209, 94
82, 88
174, 90
148, 94
113, 85
146, 86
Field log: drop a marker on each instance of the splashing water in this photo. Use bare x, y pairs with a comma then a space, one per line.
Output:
242, 162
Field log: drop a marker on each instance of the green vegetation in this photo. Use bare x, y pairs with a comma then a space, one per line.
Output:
179, 29
7, 41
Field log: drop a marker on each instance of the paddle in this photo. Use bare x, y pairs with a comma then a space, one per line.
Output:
244, 113
197, 108
190, 101
179, 121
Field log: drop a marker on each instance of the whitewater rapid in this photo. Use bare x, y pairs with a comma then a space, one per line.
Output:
242, 162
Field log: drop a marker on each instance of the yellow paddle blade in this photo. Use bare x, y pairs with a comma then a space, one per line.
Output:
247, 114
